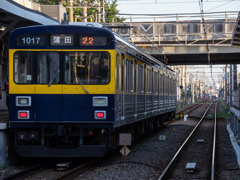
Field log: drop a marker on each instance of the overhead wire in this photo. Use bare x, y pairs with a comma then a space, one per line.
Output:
172, 2
220, 5
170, 14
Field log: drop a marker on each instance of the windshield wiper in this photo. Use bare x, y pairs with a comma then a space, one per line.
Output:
80, 82
54, 77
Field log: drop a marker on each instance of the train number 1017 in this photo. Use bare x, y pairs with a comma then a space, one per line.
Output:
30, 40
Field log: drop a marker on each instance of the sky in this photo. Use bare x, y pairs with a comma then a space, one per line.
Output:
176, 6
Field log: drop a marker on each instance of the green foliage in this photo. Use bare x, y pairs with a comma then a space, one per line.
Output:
110, 9
47, 2
224, 114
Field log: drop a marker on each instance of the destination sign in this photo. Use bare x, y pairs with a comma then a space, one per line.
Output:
30, 40
93, 41
61, 40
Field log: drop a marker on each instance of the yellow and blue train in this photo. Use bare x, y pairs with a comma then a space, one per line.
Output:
74, 88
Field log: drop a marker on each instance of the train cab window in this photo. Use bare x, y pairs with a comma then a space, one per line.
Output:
48, 67
87, 67
23, 67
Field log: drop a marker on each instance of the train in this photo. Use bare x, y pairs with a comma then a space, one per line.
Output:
75, 89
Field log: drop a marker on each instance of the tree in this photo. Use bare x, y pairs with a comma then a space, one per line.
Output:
110, 9
47, 2
111, 12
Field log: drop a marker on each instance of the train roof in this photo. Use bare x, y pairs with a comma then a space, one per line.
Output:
128, 46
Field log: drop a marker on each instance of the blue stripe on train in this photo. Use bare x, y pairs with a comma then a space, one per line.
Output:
58, 107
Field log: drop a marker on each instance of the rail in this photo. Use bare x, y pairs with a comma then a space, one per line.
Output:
214, 145
175, 157
24, 173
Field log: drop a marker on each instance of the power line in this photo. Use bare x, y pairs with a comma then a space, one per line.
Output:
221, 5
206, 13
173, 2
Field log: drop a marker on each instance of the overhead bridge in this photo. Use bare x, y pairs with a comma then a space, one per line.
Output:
184, 42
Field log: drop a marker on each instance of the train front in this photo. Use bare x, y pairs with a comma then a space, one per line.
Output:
62, 85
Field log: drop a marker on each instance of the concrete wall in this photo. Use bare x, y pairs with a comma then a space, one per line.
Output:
55, 11
28, 4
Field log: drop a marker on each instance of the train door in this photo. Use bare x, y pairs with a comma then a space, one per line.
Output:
118, 87
149, 90
48, 99
155, 91
164, 91
145, 89
140, 89
122, 86
161, 95
129, 102
135, 88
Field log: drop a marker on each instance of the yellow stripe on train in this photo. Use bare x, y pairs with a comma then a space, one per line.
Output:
60, 88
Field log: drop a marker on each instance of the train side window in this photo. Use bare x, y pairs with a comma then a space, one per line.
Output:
140, 79
161, 84
155, 84
149, 81
23, 67
48, 67
174, 87
129, 82
165, 85
170, 86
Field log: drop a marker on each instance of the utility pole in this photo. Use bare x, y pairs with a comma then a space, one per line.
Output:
225, 77
103, 11
192, 89
84, 11
99, 11
185, 79
235, 77
181, 100
70, 10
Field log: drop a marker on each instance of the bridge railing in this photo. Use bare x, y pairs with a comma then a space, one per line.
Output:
216, 31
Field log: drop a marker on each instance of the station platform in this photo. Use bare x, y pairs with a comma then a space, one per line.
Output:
4, 116
3, 138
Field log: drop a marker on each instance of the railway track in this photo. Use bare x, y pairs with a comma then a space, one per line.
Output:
188, 109
24, 173
194, 151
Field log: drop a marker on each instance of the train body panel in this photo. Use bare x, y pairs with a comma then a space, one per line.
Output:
74, 89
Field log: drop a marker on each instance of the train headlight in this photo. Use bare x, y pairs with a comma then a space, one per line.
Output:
23, 101
100, 101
